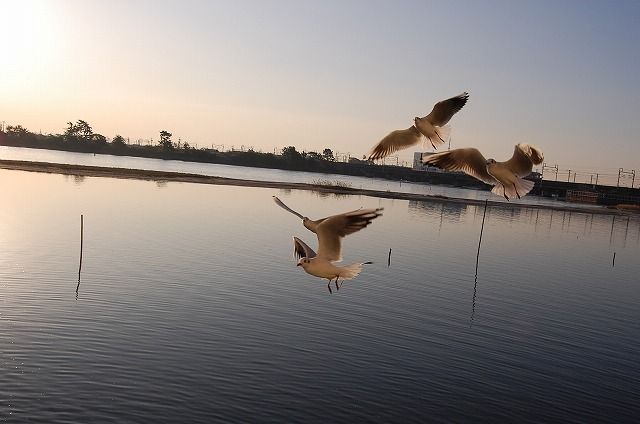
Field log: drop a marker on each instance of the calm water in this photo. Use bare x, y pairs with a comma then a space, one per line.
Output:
191, 309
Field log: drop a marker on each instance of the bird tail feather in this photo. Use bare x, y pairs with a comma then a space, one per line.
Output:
442, 135
521, 185
352, 271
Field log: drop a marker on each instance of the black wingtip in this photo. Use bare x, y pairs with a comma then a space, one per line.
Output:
367, 263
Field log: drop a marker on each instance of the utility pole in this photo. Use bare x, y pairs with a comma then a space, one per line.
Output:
554, 168
619, 172
574, 177
622, 172
569, 175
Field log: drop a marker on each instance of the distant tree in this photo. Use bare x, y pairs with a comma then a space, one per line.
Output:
290, 153
84, 130
16, 131
165, 140
71, 133
327, 154
99, 138
78, 131
118, 140
186, 145
314, 155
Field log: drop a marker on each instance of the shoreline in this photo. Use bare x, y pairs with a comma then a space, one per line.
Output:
151, 175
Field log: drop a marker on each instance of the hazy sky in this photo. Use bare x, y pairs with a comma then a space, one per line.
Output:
562, 75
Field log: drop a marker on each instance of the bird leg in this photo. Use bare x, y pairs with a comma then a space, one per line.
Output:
329, 286
516, 188
337, 286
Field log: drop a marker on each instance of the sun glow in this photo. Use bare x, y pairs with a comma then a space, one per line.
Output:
29, 38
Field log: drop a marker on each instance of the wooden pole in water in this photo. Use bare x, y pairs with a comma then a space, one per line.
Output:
614, 259
475, 282
481, 230
389, 259
81, 239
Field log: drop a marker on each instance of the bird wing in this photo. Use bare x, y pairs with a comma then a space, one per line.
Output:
395, 140
468, 160
523, 159
332, 229
286, 208
444, 110
301, 250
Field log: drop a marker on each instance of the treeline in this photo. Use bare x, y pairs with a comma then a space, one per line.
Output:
79, 137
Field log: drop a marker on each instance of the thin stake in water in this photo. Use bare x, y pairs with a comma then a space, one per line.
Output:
614, 259
81, 237
475, 282
481, 230
389, 259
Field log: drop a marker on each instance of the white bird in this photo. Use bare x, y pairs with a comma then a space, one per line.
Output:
433, 126
330, 232
506, 177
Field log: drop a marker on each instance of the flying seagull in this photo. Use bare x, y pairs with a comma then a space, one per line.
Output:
433, 126
506, 177
330, 232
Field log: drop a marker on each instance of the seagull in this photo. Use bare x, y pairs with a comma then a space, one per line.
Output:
506, 177
433, 126
330, 232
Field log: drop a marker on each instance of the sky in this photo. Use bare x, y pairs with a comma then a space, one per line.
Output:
562, 75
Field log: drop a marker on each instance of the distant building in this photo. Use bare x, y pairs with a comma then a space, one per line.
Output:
534, 176
358, 161
419, 166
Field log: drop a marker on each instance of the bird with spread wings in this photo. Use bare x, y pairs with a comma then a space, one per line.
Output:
433, 126
330, 231
507, 177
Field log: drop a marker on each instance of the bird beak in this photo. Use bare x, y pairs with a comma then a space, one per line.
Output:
298, 264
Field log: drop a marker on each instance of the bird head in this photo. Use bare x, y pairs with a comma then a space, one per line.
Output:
491, 161
416, 119
303, 262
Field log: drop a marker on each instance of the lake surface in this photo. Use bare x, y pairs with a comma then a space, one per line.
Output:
191, 309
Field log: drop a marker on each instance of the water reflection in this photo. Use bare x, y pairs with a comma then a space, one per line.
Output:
77, 179
473, 301
447, 211
556, 324
329, 195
